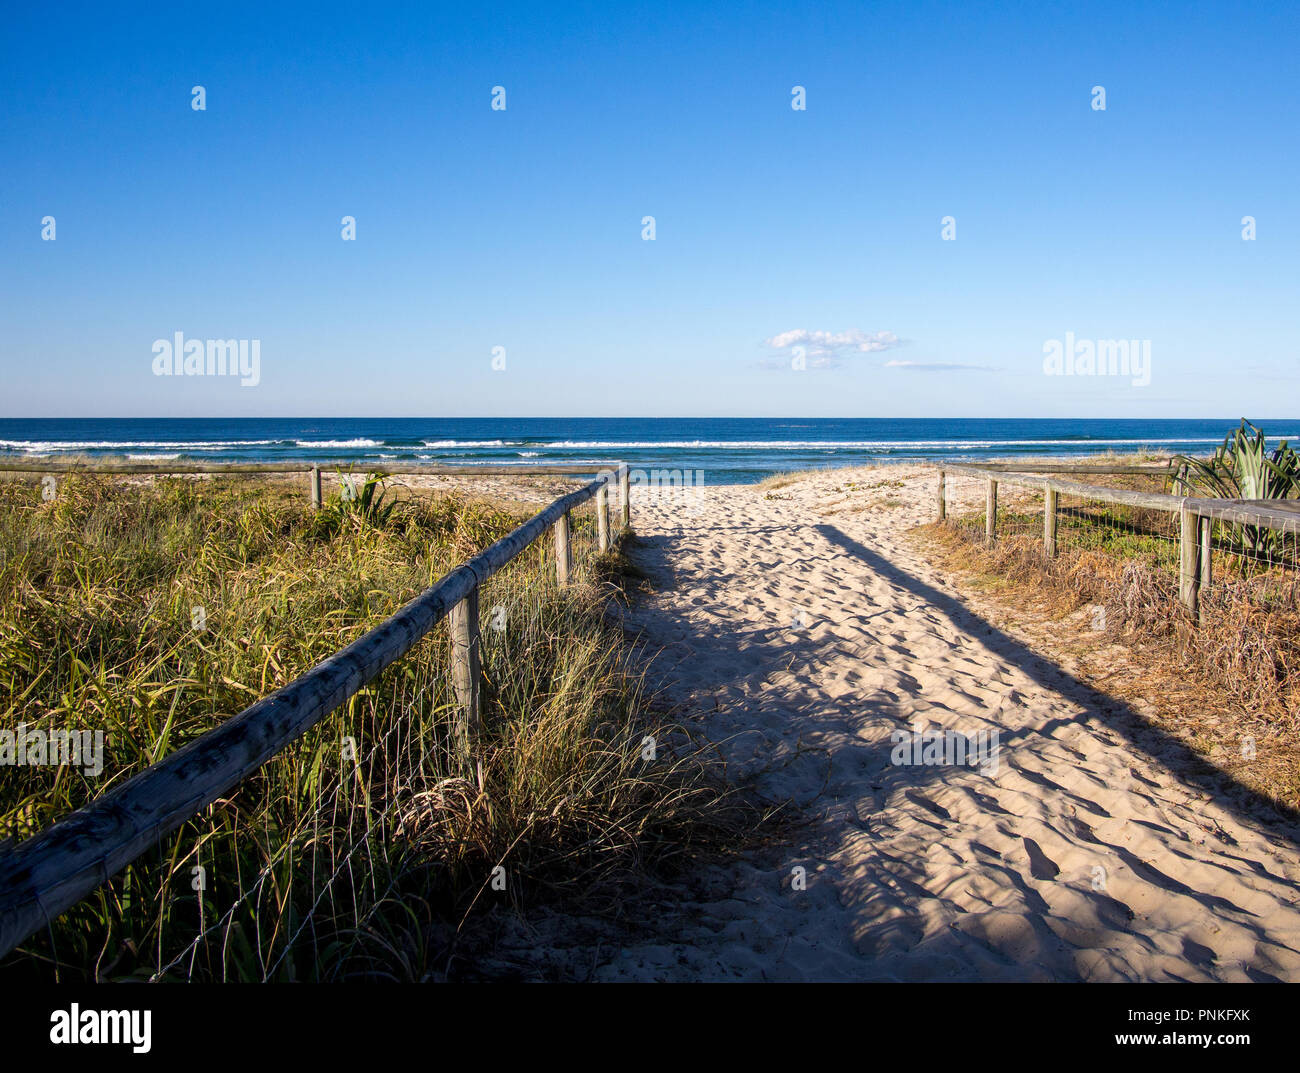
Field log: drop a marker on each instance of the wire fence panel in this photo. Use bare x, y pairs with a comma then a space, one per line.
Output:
1019, 514
966, 501
1128, 527
1253, 562
1120, 530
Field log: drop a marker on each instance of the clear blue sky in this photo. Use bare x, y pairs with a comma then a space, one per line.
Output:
522, 228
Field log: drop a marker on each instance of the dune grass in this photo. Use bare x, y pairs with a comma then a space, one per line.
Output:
154, 610
783, 480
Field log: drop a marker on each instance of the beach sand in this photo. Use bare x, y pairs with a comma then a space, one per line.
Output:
797, 628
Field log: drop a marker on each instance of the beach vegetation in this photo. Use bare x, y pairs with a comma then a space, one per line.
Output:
371, 848
1243, 467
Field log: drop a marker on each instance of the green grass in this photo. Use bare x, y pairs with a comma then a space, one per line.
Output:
1122, 532
324, 864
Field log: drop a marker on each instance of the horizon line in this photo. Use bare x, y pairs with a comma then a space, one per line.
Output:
590, 417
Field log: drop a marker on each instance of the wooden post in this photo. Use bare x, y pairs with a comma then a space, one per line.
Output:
1207, 549
943, 496
1049, 520
991, 511
1189, 559
602, 520
315, 487
624, 496
562, 561
462, 620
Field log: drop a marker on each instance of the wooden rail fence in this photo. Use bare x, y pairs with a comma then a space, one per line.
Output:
46, 875
314, 470
1195, 515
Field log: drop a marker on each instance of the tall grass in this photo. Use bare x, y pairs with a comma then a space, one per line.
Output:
361, 849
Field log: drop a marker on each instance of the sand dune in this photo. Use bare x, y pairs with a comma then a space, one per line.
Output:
800, 631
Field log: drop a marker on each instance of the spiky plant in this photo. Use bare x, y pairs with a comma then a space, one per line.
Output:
1242, 467
361, 507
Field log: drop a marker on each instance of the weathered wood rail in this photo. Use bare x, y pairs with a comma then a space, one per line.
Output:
44, 876
1164, 469
314, 471
216, 468
1195, 515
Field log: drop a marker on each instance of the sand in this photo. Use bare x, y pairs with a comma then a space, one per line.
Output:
799, 629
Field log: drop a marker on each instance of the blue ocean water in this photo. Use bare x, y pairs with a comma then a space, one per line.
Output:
726, 450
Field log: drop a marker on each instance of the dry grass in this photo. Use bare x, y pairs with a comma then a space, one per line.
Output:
783, 480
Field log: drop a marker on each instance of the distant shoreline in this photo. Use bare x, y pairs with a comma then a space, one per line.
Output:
725, 451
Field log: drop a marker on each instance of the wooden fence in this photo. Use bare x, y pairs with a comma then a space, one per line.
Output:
314, 471
48, 874
1194, 515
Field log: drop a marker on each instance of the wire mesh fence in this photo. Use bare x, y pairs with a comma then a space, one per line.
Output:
1018, 514
390, 775
965, 503
1121, 530
1232, 558
1255, 562
291, 895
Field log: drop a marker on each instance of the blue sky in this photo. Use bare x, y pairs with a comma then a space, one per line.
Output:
522, 228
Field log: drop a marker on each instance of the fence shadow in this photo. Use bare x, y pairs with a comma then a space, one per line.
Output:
756, 651
793, 732
1114, 712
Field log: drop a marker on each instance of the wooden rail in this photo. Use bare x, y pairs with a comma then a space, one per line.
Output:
55, 466
48, 874
1163, 469
216, 468
1194, 514
314, 469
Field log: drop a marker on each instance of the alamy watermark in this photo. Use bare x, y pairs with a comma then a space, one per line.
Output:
179, 356
114, 1027
1098, 357
682, 489
27, 746
948, 748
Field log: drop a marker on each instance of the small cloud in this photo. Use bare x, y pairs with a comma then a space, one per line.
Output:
823, 349
938, 366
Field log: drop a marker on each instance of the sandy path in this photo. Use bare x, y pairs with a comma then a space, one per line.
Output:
799, 632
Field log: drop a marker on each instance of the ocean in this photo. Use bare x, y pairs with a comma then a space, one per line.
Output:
725, 450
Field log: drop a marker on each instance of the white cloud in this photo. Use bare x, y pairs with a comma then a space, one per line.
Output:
823, 349
820, 342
